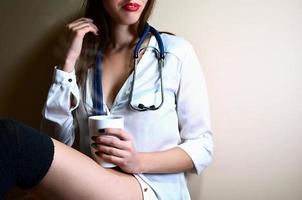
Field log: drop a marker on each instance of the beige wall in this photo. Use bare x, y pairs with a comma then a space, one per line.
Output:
251, 55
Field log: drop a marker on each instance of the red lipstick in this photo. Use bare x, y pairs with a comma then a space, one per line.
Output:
131, 7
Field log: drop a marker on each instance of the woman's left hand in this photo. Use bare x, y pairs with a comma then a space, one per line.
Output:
118, 150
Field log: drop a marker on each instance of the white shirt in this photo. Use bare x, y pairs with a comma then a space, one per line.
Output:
182, 121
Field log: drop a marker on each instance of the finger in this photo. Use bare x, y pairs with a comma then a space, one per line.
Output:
83, 19
112, 151
80, 24
112, 159
76, 23
118, 133
112, 141
82, 31
83, 26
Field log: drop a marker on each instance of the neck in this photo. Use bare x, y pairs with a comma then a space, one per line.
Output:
123, 36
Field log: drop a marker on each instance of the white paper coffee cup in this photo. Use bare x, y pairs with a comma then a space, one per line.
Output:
98, 122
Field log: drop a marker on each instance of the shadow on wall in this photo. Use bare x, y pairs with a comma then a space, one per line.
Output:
194, 184
28, 86
27, 58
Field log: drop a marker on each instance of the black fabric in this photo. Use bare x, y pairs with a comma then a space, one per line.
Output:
25, 156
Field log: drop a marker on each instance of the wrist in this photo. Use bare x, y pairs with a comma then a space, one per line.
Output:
142, 163
68, 65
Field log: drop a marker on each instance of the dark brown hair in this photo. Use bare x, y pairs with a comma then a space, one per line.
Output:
94, 9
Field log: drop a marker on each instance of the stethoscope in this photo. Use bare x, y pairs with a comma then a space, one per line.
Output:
98, 102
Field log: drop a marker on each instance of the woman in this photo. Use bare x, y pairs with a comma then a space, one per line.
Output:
157, 146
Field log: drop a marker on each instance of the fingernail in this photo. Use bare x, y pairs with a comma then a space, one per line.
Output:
93, 138
101, 130
94, 145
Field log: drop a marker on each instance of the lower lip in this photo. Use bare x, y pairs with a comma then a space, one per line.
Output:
131, 7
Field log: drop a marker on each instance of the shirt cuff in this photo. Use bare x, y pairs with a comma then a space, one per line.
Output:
200, 155
65, 78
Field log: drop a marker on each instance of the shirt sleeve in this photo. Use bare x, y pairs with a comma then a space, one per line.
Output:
193, 112
63, 98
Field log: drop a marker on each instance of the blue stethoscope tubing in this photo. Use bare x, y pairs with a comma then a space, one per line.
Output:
98, 102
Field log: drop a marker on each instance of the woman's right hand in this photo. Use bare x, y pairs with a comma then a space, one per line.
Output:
76, 31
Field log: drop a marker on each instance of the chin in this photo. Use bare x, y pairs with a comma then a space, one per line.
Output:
129, 21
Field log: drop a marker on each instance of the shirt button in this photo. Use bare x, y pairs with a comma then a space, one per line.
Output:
70, 80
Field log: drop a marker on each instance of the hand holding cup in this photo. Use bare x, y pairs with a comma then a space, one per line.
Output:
97, 125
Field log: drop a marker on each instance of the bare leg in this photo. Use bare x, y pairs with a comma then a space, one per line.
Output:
73, 175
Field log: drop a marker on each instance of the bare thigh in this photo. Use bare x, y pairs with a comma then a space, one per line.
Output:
73, 175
